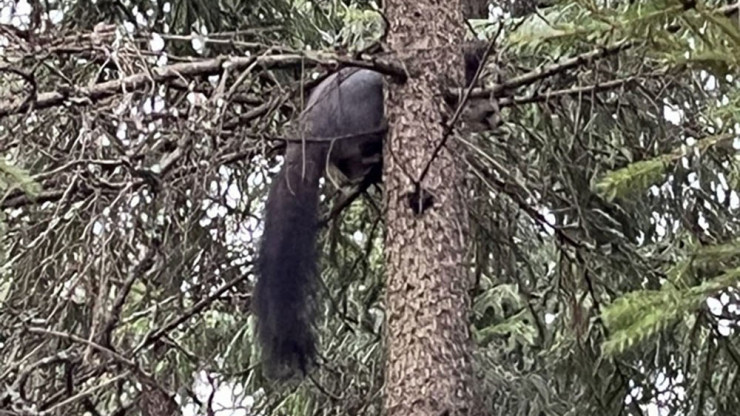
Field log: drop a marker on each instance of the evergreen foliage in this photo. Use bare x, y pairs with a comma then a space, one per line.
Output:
604, 207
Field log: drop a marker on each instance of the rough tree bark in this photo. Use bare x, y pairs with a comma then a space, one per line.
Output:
428, 367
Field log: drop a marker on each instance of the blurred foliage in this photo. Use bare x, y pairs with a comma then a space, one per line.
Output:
604, 210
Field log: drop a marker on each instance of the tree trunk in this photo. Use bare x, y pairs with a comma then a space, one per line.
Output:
428, 367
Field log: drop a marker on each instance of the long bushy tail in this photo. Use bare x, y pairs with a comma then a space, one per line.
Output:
287, 264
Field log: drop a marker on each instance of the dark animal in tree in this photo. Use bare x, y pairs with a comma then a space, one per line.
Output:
342, 123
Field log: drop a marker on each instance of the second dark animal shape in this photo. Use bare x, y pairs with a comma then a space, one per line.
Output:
342, 123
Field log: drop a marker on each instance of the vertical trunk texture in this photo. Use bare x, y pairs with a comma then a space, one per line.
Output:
428, 367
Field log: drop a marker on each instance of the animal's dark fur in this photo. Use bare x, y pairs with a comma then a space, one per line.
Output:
349, 102
342, 121
287, 266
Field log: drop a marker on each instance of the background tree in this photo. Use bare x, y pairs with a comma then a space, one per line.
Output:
603, 211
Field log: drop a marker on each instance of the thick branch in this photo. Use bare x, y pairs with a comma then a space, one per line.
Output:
88, 96
504, 89
180, 72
